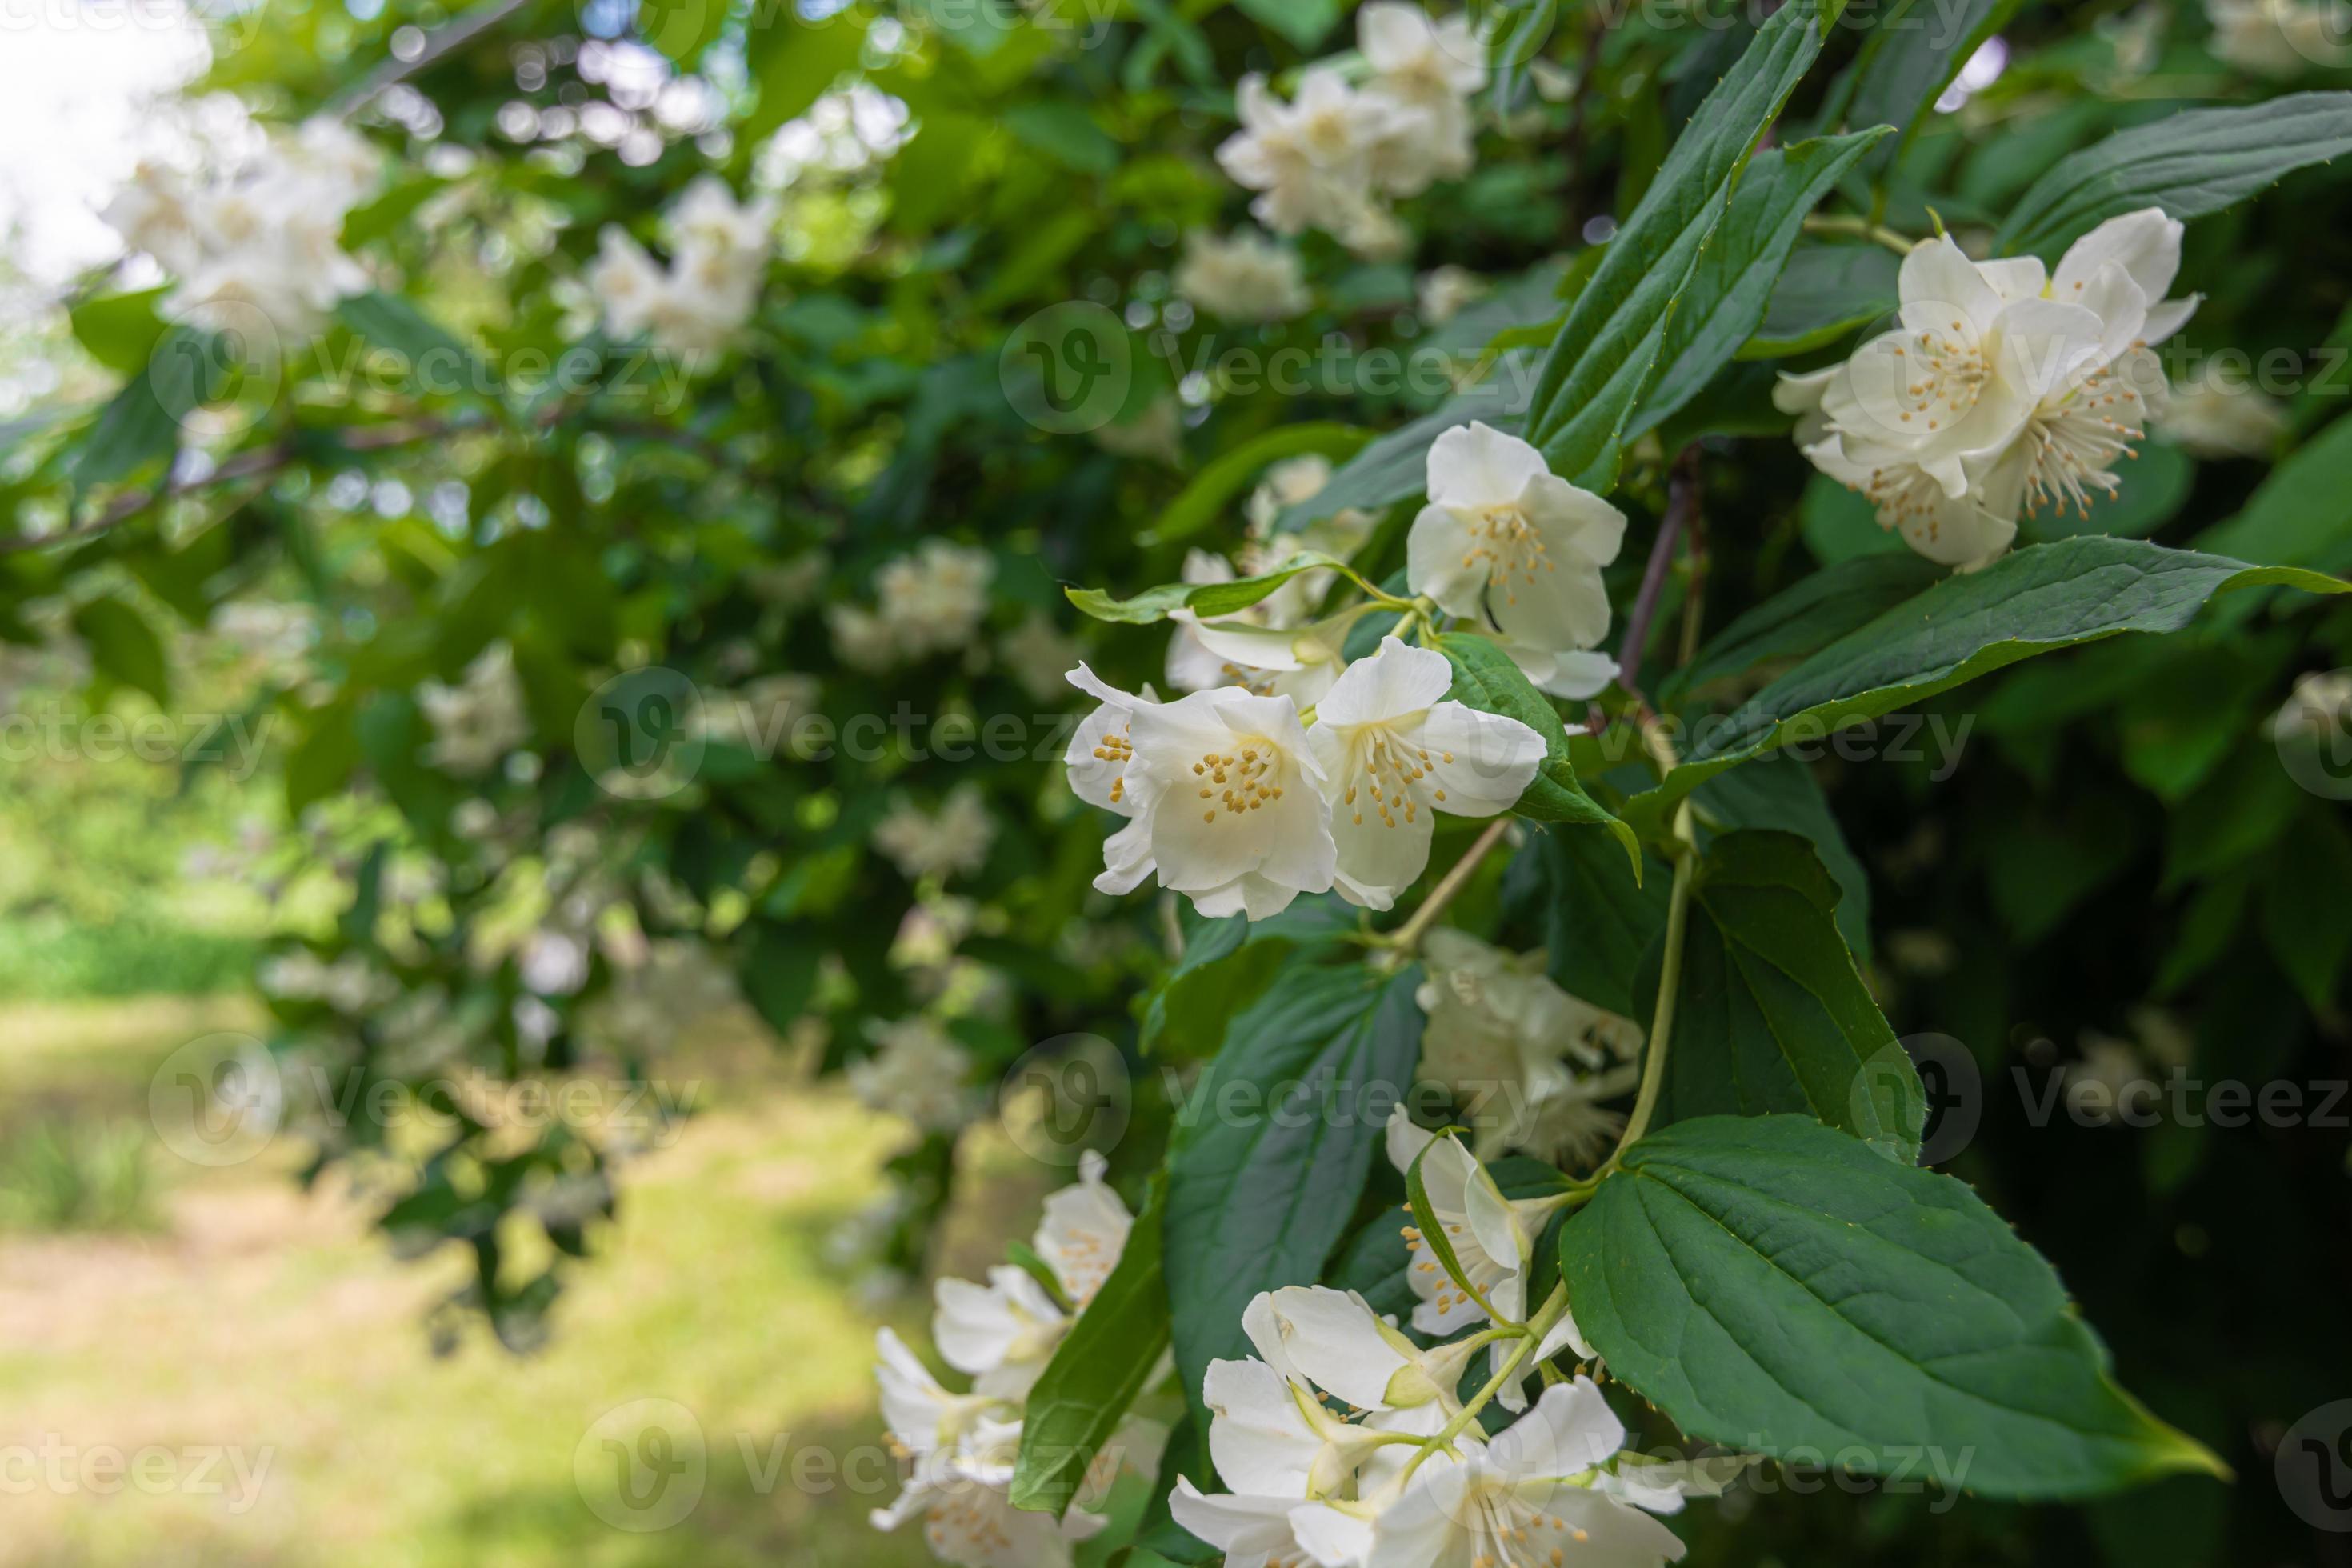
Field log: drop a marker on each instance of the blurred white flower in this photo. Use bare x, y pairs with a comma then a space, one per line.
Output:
2280, 37
1157, 433
1243, 277
953, 842
1430, 70
2319, 707
719, 258
478, 721
552, 962
1445, 290
917, 1073
1084, 1232
2210, 420
1038, 654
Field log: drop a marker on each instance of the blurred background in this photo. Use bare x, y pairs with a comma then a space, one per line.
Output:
362, 1344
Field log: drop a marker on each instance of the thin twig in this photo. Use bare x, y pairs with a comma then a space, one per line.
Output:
1408, 935
1682, 502
392, 72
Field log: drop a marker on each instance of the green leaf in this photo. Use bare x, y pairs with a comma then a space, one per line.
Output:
124, 648
120, 330
1823, 293
2053, 595
1064, 131
1205, 598
1772, 1015
1212, 489
795, 61
1729, 294
1780, 790
1271, 1150
1773, 1285
1598, 919
1601, 364
780, 972
1105, 1360
2191, 164
1485, 679
1913, 53
1225, 963
1305, 23
682, 29
2306, 915
135, 435
1814, 612
432, 361
2295, 518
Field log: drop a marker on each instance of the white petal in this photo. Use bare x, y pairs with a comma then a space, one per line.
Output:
1481, 761
1439, 561
2016, 277
1235, 1524
1335, 1340
1570, 1431
2146, 244
1941, 285
1259, 1441
1475, 465
1394, 683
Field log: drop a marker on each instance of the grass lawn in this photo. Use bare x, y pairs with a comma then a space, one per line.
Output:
277, 1326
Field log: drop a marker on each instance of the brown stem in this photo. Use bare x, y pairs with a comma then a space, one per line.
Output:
1682, 506
1408, 935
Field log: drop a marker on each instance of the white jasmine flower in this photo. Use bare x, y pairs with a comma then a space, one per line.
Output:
1394, 752
1245, 277
1496, 1032
1444, 292
951, 843
1253, 1532
1310, 159
1270, 1437
916, 1072
1084, 1232
1430, 70
1523, 1500
862, 639
1337, 1343
964, 1500
935, 598
1665, 1486
1576, 674
923, 1417
1002, 1333
1097, 760
1339, 535
1230, 794
478, 721
552, 962
1037, 653
718, 255
1505, 540
1493, 1240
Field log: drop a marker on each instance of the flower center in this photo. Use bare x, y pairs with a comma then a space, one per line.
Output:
1388, 771
1503, 538
1950, 372
2074, 447
1242, 780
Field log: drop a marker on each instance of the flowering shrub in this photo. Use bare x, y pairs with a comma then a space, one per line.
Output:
783, 496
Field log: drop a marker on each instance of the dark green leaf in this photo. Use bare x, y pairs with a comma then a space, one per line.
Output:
1780, 790
1225, 965
120, 330
124, 648
793, 61
1734, 284
1772, 1015
1485, 679
1773, 1285
1913, 53
1597, 919
1215, 486
1824, 292
2053, 595
1306, 23
2191, 163
1603, 361
1812, 613
1272, 1149
1105, 1360
135, 435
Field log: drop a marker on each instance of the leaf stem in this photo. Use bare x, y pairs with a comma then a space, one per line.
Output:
1547, 1316
1861, 228
1662, 1021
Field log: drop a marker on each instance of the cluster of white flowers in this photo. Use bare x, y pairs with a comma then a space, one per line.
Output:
1529, 1065
929, 601
2006, 388
260, 240
1232, 800
1242, 277
2280, 37
952, 842
1328, 158
1001, 1335
917, 1073
478, 721
718, 255
654, 1003
1348, 1445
